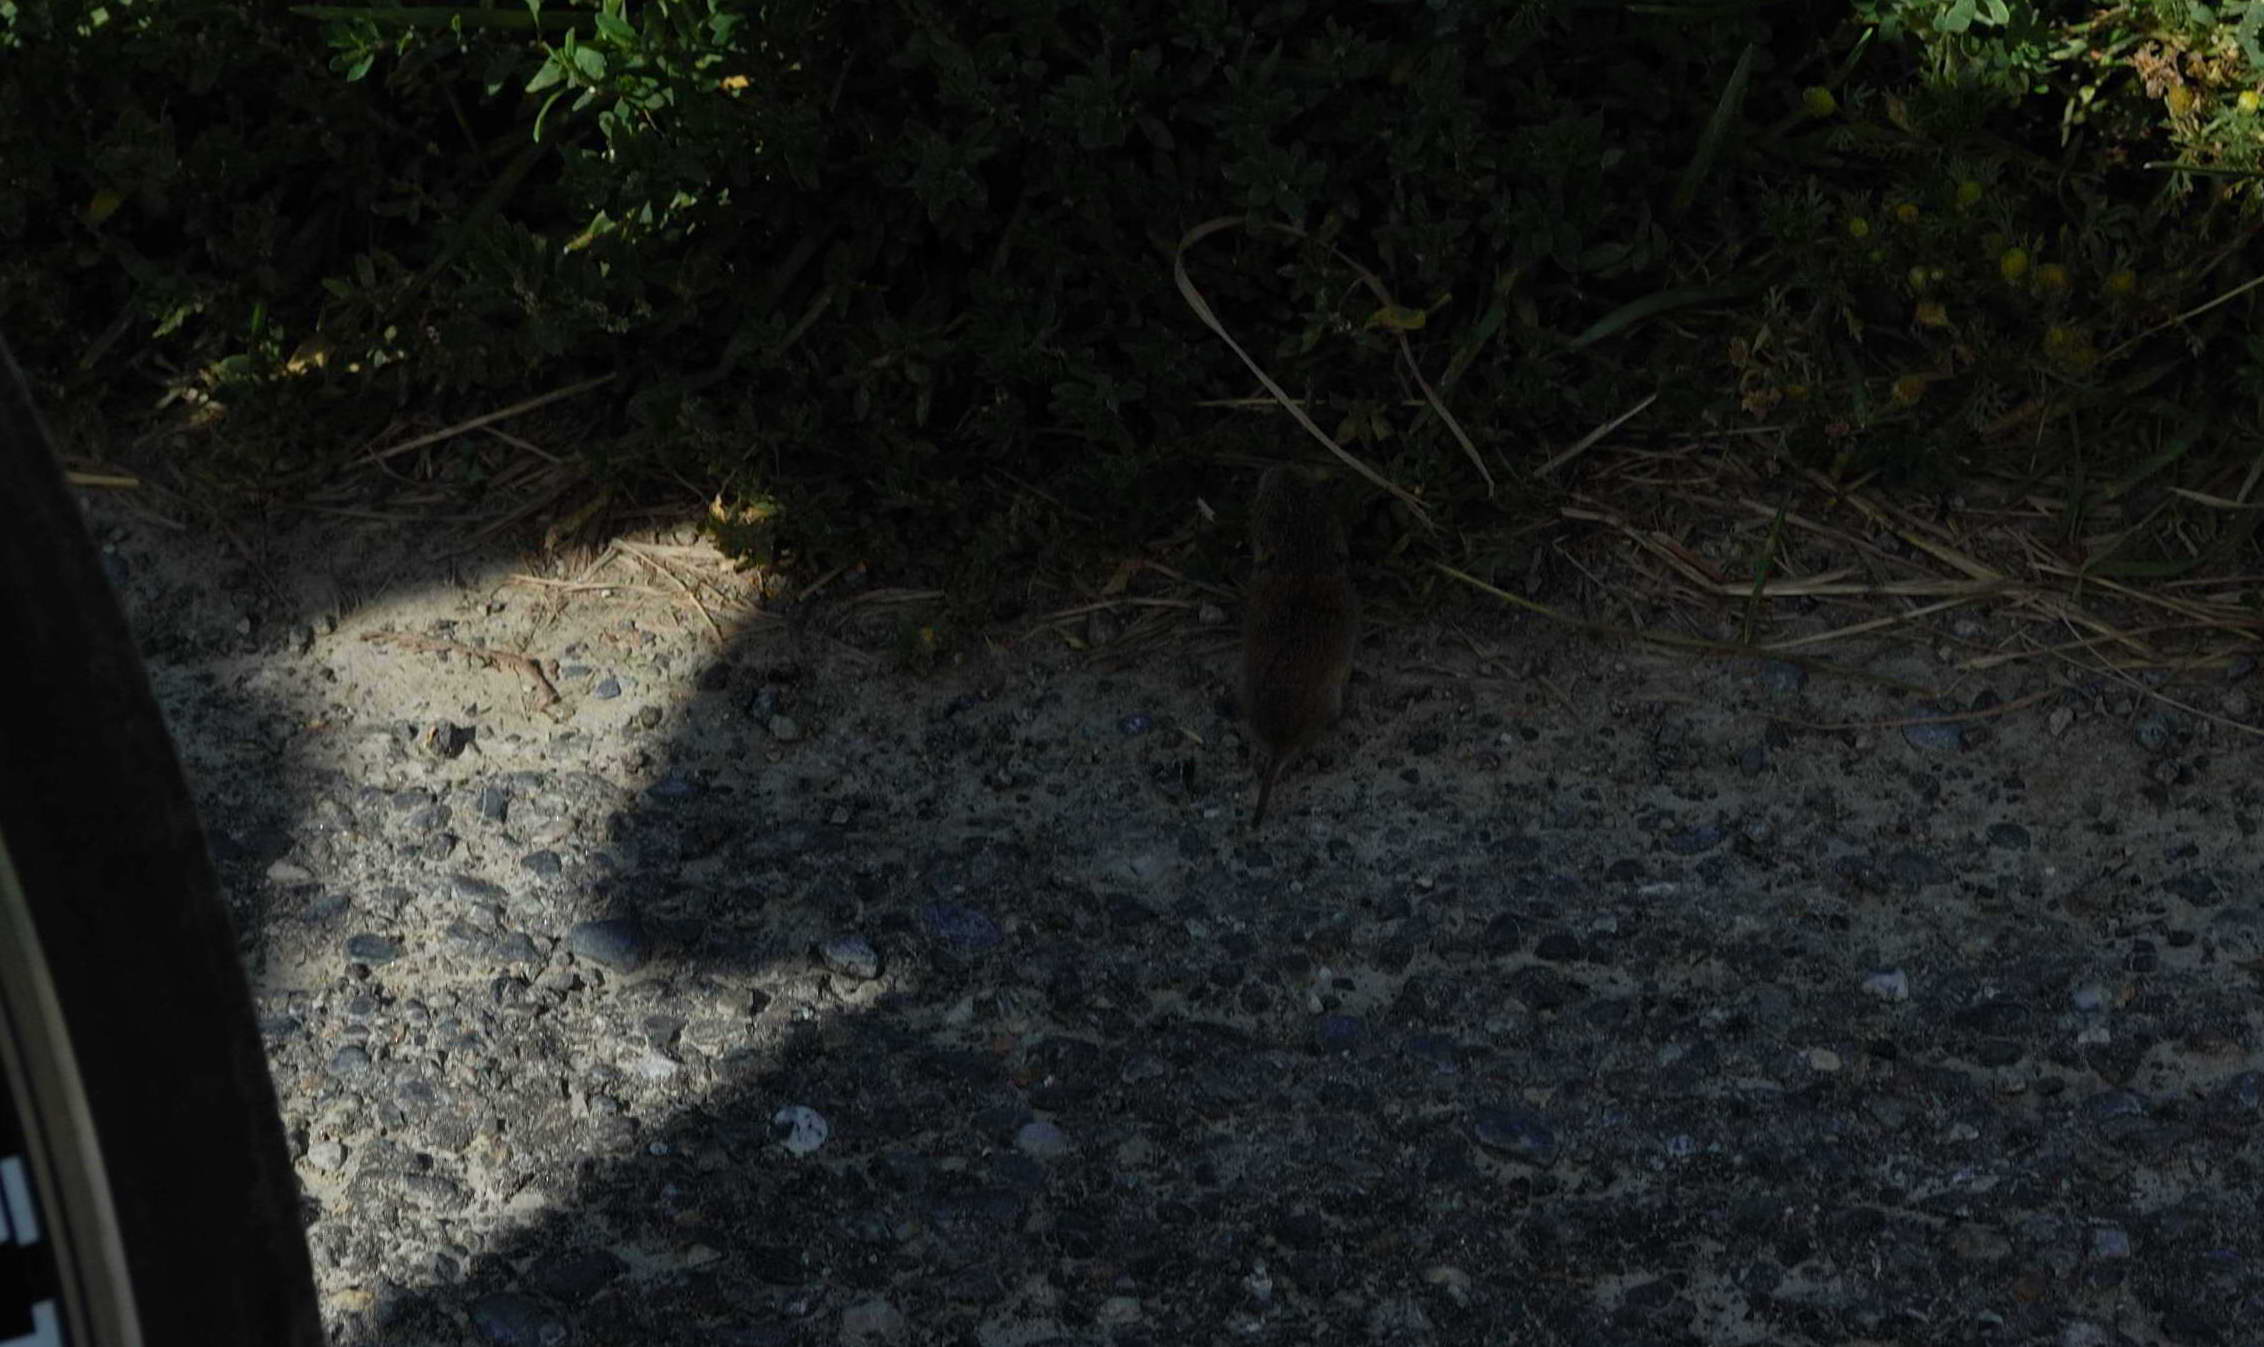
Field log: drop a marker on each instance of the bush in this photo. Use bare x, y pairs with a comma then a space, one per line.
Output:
903, 274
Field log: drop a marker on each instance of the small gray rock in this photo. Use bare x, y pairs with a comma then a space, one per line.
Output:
619, 943
511, 1319
852, 956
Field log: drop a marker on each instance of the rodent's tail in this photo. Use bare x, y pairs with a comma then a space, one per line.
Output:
1266, 785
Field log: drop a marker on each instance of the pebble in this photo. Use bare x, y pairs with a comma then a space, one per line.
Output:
1514, 1131
289, 872
495, 804
2110, 1242
544, 863
349, 1061
512, 1319
2155, 731
619, 943
1696, 841
2114, 1104
577, 1275
962, 928
372, 949
800, 1130
1779, 675
1042, 1140
852, 956
674, 786
327, 1157
1135, 724
1339, 1033
1934, 735
784, 728
473, 889
872, 1323
1890, 984
607, 688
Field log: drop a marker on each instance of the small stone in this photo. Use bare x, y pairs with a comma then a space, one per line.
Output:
1338, 1033
495, 804
2008, 837
1782, 676
607, 688
349, 1061
544, 863
852, 956
872, 1323
2156, 732
289, 872
674, 786
1977, 1243
1514, 1131
1209, 614
2110, 1242
1696, 841
445, 741
473, 889
1823, 1059
2108, 1104
1042, 1140
1934, 734
800, 1130
1117, 1311
962, 928
1558, 947
1890, 984
2090, 998
784, 728
619, 943
372, 949
512, 1319
327, 1157
1135, 724
576, 1276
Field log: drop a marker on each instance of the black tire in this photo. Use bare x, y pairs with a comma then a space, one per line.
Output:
139, 1115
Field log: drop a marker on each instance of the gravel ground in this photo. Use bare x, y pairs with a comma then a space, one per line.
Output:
760, 993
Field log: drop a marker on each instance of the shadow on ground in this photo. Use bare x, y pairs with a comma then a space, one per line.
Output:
1588, 999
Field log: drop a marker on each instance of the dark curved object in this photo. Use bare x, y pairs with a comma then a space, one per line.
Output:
144, 1000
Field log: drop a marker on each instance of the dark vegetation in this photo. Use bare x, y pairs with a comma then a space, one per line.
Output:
893, 282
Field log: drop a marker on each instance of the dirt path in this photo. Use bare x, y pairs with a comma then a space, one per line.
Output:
756, 992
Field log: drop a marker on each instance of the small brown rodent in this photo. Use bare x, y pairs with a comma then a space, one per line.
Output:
1302, 619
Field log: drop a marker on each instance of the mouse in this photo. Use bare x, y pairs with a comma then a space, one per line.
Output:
1301, 618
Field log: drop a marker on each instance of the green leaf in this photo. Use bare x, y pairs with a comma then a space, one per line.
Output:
614, 29
1717, 130
550, 73
591, 62
1957, 18
1635, 311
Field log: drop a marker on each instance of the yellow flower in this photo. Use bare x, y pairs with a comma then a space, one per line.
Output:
2180, 100
1817, 101
1931, 313
1968, 193
2248, 101
1920, 279
2013, 263
1909, 388
2070, 346
1906, 212
2051, 276
1858, 227
2122, 284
